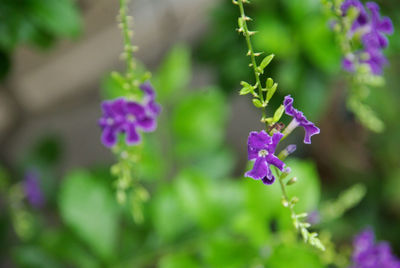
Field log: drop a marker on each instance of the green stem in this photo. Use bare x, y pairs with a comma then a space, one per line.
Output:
251, 52
285, 195
126, 33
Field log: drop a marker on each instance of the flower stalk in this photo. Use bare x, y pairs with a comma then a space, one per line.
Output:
262, 145
259, 101
125, 118
127, 35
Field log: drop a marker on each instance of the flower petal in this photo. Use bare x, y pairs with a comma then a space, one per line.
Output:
153, 107
147, 123
348, 65
132, 136
288, 103
310, 130
269, 178
135, 109
252, 153
309, 127
258, 140
118, 107
273, 160
109, 137
274, 142
260, 169
386, 26
148, 90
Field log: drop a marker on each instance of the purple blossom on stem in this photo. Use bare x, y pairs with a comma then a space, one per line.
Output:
367, 254
375, 38
299, 120
314, 217
150, 103
261, 148
348, 64
32, 189
373, 31
376, 60
124, 116
362, 18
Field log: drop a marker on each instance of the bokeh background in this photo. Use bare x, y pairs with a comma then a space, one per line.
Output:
55, 57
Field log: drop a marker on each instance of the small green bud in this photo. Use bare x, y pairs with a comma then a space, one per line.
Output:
121, 197
247, 88
115, 170
267, 120
292, 181
270, 83
240, 23
294, 200
301, 215
278, 113
257, 103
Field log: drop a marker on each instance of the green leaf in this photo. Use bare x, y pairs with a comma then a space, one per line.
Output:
271, 91
89, 208
319, 43
174, 73
198, 123
168, 216
64, 246
177, 260
247, 88
59, 17
218, 165
112, 86
267, 60
33, 256
300, 256
226, 251
274, 35
208, 202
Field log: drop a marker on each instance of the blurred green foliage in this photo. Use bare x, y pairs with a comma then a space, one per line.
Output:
306, 54
35, 22
199, 213
198, 216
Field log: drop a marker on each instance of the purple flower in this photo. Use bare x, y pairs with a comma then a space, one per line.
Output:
299, 120
367, 254
348, 64
125, 116
376, 60
375, 37
261, 148
314, 217
32, 189
373, 30
362, 18
149, 100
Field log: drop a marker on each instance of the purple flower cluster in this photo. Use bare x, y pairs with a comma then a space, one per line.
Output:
367, 254
261, 146
125, 116
373, 30
32, 189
